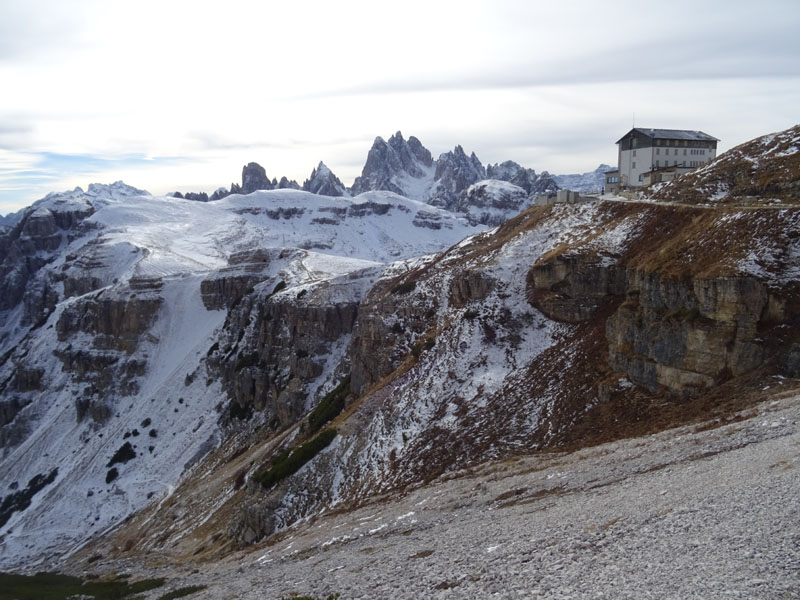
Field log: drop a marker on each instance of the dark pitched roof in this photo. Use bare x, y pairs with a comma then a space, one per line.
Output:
671, 134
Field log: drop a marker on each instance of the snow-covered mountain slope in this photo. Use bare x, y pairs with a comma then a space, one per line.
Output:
220, 371
492, 202
566, 326
592, 182
121, 297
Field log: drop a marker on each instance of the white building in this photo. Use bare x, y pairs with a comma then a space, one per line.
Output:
644, 150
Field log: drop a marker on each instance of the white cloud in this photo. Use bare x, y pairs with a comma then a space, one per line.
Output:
551, 85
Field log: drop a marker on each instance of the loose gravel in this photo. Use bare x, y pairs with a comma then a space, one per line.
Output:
694, 512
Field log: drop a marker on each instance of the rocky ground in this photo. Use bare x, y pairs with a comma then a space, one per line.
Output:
701, 511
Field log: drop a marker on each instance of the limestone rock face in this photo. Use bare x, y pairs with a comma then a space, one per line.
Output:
469, 286
672, 324
115, 322
227, 286
688, 336
277, 346
116, 325
572, 287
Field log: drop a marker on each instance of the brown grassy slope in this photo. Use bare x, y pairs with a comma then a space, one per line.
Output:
759, 171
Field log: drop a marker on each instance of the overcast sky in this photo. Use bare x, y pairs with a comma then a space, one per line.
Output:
178, 95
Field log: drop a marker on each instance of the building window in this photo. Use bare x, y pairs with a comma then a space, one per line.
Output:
634, 152
676, 152
658, 150
684, 151
657, 164
641, 177
634, 165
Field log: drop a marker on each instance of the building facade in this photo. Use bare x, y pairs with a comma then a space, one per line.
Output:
644, 150
612, 182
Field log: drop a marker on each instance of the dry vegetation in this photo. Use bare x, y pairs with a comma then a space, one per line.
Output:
760, 171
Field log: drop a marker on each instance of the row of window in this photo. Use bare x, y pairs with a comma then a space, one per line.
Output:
693, 151
692, 163
684, 143
675, 143
612, 179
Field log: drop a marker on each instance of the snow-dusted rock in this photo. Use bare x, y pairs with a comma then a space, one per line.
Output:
585, 183
399, 166
455, 172
323, 182
491, 202
513, 173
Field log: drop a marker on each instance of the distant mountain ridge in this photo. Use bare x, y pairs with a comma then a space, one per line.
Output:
585, 183
407, 168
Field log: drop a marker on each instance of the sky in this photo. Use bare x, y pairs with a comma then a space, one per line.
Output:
178, 95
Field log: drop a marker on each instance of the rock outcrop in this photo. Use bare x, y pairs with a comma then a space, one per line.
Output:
672, 325
285, 343
491, 202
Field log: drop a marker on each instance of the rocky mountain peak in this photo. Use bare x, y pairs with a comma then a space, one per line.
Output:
544, 184
324, 182
286, 184
455, 172
585, 183
399, 166
514, 173
254, 177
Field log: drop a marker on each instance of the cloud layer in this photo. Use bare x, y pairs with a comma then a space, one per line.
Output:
179, 95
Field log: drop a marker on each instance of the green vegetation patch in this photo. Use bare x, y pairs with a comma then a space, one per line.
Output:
21, 499
290, 462
281, 285
405, 287
330, 406
122, 455
423, 346
181, 592
53, 586
247, 360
